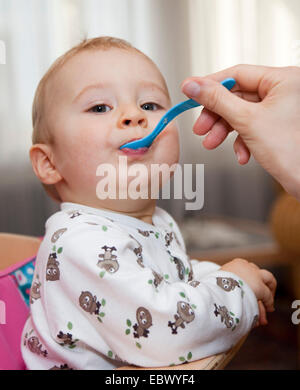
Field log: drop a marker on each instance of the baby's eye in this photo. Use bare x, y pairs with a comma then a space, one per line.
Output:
100, 108
150, 106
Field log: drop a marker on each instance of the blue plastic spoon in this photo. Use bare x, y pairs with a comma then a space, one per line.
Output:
168, 117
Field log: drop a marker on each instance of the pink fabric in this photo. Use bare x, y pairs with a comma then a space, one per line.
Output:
16, 313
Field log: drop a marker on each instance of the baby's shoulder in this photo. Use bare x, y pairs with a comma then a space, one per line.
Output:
75, 223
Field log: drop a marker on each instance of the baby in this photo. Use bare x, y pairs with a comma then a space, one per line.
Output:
116, 285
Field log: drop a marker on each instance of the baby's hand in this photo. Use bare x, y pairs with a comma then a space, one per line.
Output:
261, 281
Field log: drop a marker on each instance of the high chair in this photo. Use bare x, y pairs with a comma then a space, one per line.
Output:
15, 281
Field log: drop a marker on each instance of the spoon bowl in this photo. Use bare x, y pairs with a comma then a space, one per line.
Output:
168, 117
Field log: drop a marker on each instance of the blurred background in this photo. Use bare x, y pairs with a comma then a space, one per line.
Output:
245, 211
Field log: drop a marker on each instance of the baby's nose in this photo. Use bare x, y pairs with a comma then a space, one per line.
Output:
133, 119
128, 122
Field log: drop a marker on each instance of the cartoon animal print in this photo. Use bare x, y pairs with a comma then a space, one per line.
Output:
109, 261
168, 238
52, 272
191, 272
35, 292
194, 283
255, 320
144, 321
61, 367
66, 338
74, 214
224, 315
138, 252
227, 284
185, 314
117, 357
57, 234
89, 303
145, 233
157, 278
35, 346
180, 267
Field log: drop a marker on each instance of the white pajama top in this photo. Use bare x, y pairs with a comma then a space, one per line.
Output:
112, 290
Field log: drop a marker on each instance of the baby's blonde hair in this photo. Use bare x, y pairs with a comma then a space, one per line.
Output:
41, 130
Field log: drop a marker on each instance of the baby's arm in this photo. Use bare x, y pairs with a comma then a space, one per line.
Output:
261, 281
116, 309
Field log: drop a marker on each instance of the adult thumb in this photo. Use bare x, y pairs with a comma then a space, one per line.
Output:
216, 98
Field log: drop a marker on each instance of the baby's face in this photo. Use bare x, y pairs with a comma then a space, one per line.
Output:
97, 102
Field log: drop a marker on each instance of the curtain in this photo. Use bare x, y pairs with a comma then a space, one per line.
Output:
184, 38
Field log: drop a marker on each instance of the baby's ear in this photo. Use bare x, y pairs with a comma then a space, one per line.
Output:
41, 157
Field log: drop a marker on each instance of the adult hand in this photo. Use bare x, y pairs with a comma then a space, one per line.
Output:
263, 107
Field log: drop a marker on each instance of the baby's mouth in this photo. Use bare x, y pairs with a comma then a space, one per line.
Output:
134, 152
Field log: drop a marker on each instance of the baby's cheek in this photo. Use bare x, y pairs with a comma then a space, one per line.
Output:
168, 150
86, 163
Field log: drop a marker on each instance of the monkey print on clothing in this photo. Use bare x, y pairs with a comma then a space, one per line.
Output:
227, 284
89, 303
185, 314
144, 321
35, 292
74, 214
145, 233
180, 267
34, 345
194, 283
109, 260
168, 238
66, 339
57, 234
61, 367
191, 273
157, 278
224, 315
138, 252
52, 272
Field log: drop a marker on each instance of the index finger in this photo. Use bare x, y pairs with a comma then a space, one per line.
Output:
247, 77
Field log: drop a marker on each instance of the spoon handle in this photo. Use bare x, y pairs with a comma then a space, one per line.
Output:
169, 116
183, 106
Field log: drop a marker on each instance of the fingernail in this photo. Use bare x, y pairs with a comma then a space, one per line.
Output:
238, 155
191, 89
